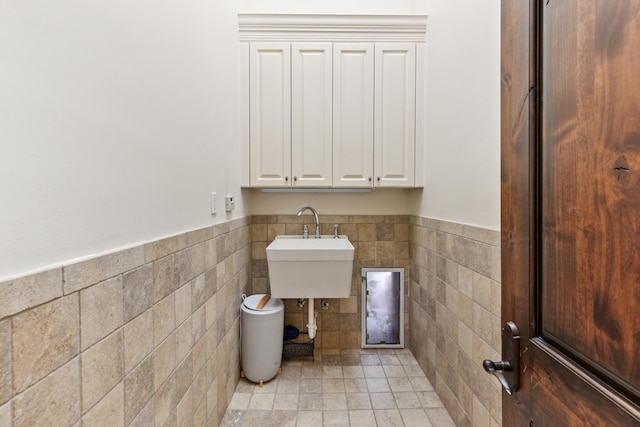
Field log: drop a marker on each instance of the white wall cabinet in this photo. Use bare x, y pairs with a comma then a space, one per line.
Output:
395, 112
333, 102
353, 115
270, 114
311, 114
290, 114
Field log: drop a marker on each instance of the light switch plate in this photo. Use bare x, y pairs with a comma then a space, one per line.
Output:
229, 203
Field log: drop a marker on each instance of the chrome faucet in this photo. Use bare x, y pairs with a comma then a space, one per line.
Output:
315, 216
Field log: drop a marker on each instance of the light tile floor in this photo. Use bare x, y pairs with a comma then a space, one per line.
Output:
355, 388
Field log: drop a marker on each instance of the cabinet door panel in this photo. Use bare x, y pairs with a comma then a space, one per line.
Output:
270, 114
353, 115
311, 114
394, 136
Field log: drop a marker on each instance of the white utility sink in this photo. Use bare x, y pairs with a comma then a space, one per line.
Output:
310, 268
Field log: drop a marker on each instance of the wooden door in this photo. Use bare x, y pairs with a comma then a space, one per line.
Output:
311, 114
571, 209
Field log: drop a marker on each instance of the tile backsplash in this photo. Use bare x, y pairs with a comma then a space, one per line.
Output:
379, 241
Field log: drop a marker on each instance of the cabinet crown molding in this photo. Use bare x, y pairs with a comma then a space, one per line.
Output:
334, 28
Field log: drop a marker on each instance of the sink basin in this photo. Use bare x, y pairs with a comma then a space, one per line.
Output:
310, 268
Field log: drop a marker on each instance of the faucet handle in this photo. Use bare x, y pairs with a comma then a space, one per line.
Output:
335, 231
305, 232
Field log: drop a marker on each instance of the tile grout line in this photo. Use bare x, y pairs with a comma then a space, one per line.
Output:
397, 410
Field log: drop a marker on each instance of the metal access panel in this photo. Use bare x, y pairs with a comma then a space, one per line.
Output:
383, 308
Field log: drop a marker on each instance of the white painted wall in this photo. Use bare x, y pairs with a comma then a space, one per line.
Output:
117, 120
331, 6
462, 166
377, 202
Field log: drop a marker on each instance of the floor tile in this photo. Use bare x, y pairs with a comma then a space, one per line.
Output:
382, 401
439, 417
407, 359
364, 418
400, 384
309, 419
268, 387
413, 371
378, 385
394, 371
240, 401
310, 401
388, 418
311, 372
284, 401
374, 371
288, 386
334, 401
407, 400
333, 385
335, 418
429, 399
415, 418
389, 359
356, 385
367, 387
358, 401
421, 384
332, 372
262, 401
370, 359
353, 372
253, 418
283, 418
350, 360
232, 418
311, 385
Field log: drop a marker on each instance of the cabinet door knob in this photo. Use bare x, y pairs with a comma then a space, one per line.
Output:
295, 178
286, 178
378, 179
370, 179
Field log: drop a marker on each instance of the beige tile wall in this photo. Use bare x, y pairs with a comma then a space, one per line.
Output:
145, 336
455, 315
379, 241
149, 335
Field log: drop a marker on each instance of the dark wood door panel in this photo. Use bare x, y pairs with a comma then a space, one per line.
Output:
516, 184
568, 395
590, 262
570, 189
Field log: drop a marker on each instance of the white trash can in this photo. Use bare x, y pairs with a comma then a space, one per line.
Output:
262, 336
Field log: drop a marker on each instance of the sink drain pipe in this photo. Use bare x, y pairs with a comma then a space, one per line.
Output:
311, 326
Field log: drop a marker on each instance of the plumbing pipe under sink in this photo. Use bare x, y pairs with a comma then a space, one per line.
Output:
311, 326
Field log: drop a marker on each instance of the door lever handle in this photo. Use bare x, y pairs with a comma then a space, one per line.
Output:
507, 371
496, 369
491, 366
